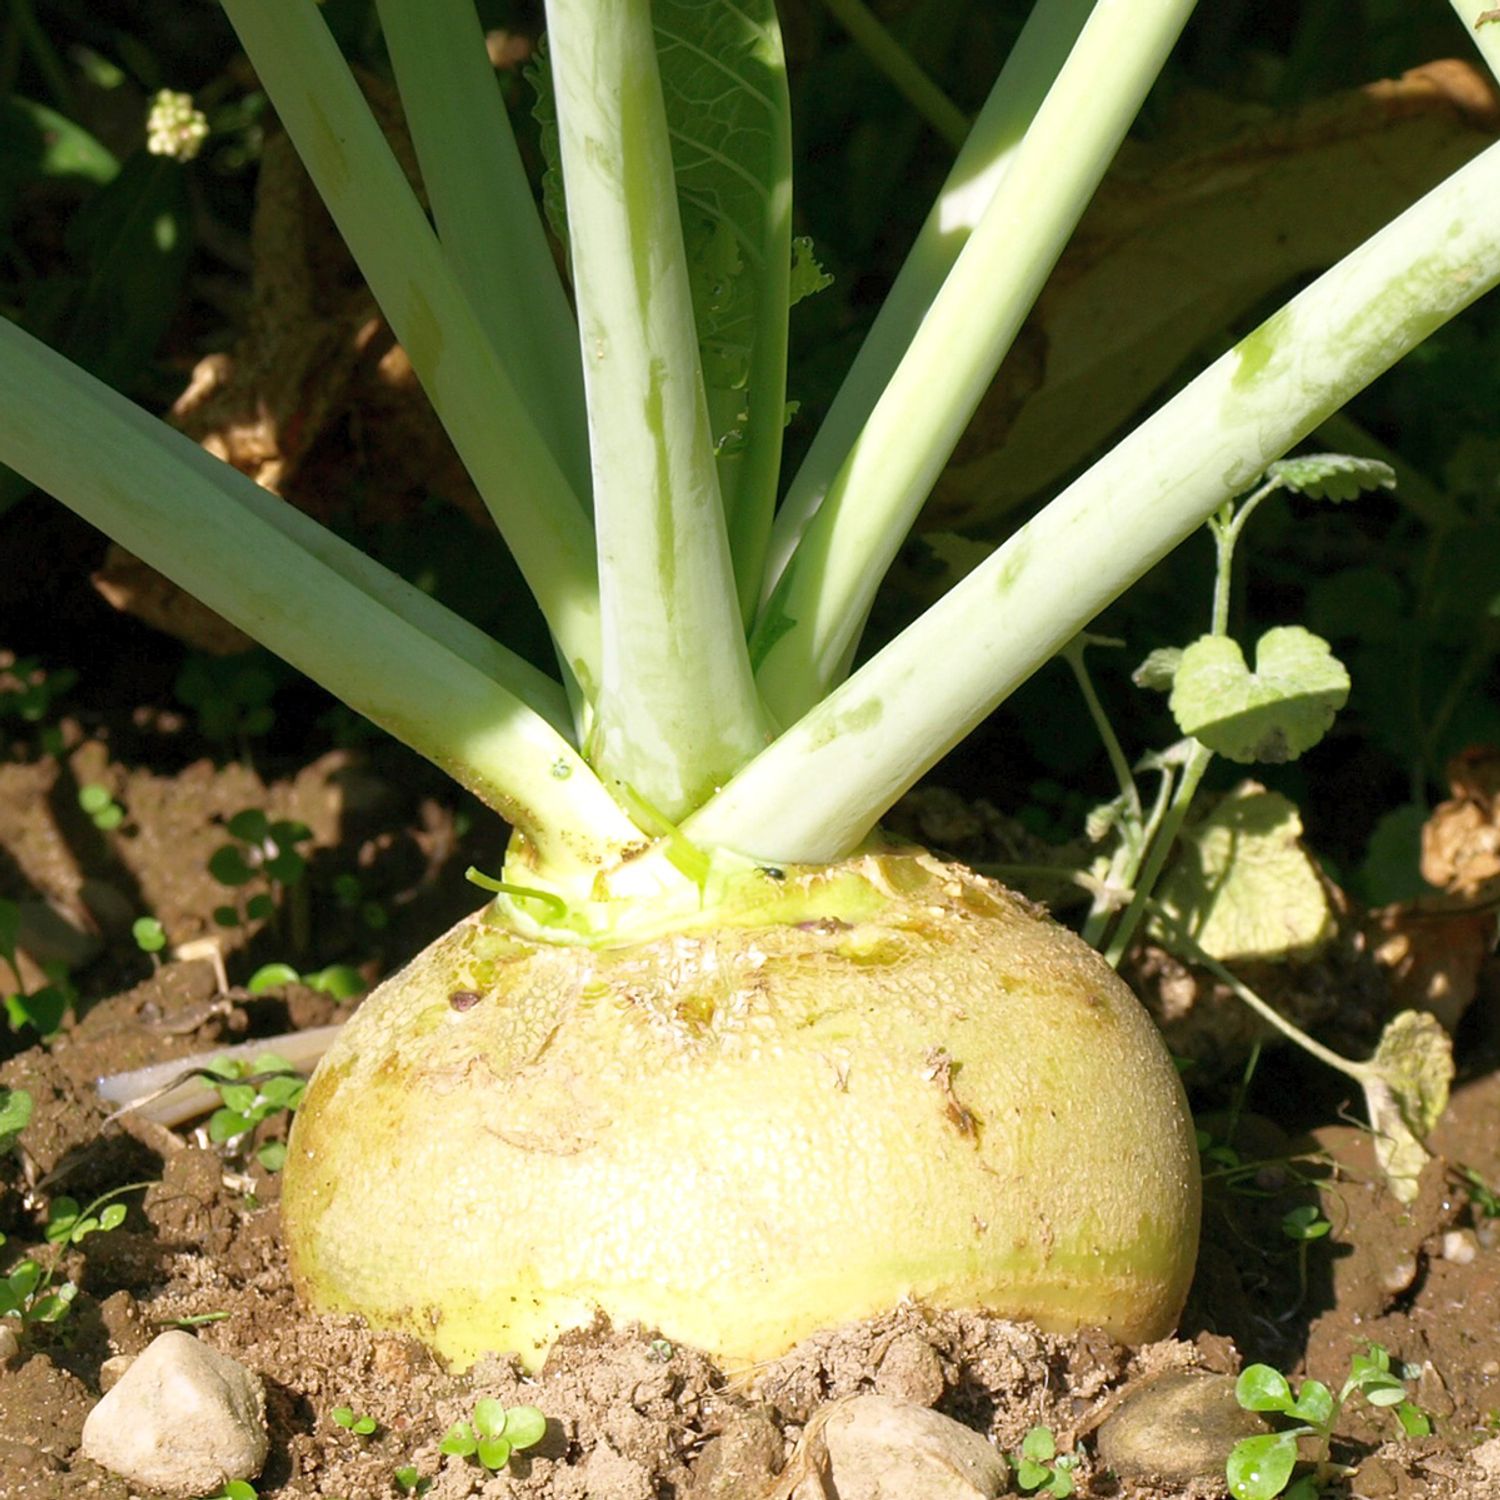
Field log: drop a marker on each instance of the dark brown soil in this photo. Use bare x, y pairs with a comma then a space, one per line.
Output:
630, 1416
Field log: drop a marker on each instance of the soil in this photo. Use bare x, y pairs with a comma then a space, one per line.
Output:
629, 1415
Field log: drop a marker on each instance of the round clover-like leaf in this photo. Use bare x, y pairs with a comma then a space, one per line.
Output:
1039, 1444
94, 798
288, 867
227, 865
1262, 1388
251, 826
150, 936
271, 977
15, 1111
1259, 1467
1031, 1475
494, 1452
458, 1441
1314, 1404
1274, 713
489, 1418
525, 1426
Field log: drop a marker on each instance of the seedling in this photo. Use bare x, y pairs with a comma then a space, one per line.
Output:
261, 865
1261, 1467
27, 1292
41, 1009
29, 693
339, 980
104, 812
150, 937
15, 1112
1040, 1469
409, 1482
1482, 1197
250, 1093
496, 1432
234, 1489
349, 892
231, 696
1303, 1225
360, 1425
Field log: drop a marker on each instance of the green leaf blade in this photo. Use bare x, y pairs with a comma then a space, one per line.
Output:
1259, 1467
1273, 714
1332, 476
1262, 1388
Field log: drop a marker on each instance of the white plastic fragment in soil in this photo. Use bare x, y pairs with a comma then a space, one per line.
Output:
183, 1419
875, 1448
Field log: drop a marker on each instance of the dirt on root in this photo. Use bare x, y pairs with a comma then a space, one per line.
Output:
630, 1416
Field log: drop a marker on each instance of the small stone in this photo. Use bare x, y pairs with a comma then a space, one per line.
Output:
1460, 1246
112, 1369
911, 1371
10, 1345
1487, 1457
741, 1460
1432, 1392
880, 1449
1176, 1428
121, 1315
1399, 1273
183, 1419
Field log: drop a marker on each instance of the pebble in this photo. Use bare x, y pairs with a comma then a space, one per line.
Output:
911, 1371
882, 1449
1399, 1273
183, 1419
1460, 1246
1176, 1428
741, 1460
1487, 1457
10, 1345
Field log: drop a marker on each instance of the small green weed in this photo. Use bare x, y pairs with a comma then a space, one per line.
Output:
28, 693
150, 937
103, 811
27, 1292
1303, 1225
250, 1093
339, 980
235, 1489
1484, 1200
360, 1425
349, 892
15, 1112
410, 1482
261, 864
231, 696
1040, 1469
41, 1009
496, 1432
1260, 1468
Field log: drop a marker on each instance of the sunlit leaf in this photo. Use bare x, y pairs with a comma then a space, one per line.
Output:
1272, 714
